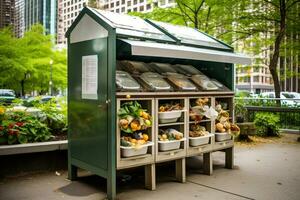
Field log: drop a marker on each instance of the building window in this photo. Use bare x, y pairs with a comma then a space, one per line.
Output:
128, 3
123, 9
135, 2
256, 69
256, 79
148, 7
135, 9
141, 8
129, 10
123, 2
246, 79
118, 10
118, 3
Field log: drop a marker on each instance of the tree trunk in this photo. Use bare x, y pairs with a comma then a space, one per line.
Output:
275, 56
22, 88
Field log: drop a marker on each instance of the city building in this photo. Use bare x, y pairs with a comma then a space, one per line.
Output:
7, 13
12, 14
126, 6
67, 11
19, 18
43, 12
256, 79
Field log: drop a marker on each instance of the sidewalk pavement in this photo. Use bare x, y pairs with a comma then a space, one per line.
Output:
264, 171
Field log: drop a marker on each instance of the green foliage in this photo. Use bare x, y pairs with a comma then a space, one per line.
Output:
239, 108
44, 121
250, 26
55, 117
25, 62
21, 127
267, 124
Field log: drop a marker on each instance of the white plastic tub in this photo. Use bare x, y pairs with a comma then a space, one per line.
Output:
169, 116
222, 136
197, 141
135, 151
169, 145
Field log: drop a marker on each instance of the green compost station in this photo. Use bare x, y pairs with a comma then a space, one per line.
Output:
97, 40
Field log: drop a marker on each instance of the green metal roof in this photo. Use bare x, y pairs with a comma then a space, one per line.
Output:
148, 38
127, 26
133, 27
189, 36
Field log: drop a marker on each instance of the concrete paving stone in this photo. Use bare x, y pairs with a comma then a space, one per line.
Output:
267, 171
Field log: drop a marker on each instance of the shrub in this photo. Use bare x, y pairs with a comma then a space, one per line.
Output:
21, 127
267, 124
55, 113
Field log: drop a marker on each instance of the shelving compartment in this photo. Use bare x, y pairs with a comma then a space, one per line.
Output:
223, 136
170, 135
200, 126
141, 150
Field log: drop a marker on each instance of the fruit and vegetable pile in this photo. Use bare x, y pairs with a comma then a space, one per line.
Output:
169, 135
197, 131
134, 140
202, 110
170, 107
223, 124
133, 122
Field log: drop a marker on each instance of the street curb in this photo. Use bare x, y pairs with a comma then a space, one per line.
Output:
33, 147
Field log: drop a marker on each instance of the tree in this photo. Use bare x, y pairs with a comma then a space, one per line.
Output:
25, 62
257, 26
269, 22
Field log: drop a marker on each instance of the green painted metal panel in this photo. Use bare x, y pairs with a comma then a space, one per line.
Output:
88, 132
111, 85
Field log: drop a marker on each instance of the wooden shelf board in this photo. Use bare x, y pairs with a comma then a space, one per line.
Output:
171, 124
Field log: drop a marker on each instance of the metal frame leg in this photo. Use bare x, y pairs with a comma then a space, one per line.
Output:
180, 170
150, 177
207, 163
229, 158
72, 172
111, 188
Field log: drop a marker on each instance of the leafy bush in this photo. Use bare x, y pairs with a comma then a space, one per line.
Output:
240, 110
42, 122
21, 127
55, 115
267, 124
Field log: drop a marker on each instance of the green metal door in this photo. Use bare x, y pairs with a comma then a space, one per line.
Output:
88, 131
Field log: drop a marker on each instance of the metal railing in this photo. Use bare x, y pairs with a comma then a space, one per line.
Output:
288, 111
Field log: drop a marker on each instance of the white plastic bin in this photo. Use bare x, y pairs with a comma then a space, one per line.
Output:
135, 151
197, 141
169, 145
222, 136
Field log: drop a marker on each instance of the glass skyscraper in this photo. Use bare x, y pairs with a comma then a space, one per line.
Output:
43, 12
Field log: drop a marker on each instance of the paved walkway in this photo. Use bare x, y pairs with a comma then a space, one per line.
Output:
265, 171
